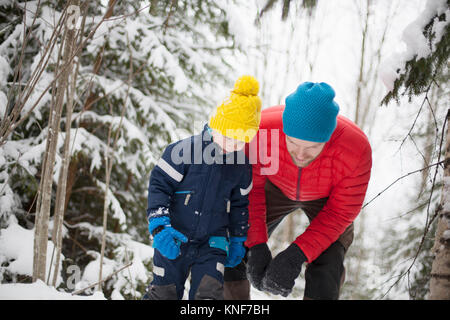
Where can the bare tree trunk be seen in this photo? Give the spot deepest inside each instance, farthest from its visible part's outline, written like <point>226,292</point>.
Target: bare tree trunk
<point>361,80</point>
<point>440,270</point>
<point>108,164</point>
<point>62,180</point>
<point>366,85</point>
<point>108,167</point>
<point>361,87</point>
<point>42,219</point>
<point>153,10</point>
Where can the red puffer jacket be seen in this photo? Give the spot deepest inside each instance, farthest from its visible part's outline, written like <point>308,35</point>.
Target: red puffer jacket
<point>341,172</point>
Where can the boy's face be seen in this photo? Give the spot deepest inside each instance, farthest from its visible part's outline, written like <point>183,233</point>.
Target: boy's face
<point>227,144</point>
<point>303,152</point>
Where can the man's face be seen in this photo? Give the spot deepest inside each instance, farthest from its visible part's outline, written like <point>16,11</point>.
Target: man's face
<point>303,152</point>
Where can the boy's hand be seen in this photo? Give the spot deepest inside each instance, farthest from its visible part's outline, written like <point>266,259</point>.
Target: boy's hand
<point>236,251</point>
<point>168,242</point>
<point>165,238</point>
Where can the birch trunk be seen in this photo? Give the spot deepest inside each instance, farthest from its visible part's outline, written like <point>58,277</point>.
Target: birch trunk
<point>361,79</point>
<point>440,269</point>
<point>108,168</point>
<point>43,214</point>
<point>62,180</point>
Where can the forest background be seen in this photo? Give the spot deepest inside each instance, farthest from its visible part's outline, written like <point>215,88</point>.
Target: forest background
<point>92,92</point>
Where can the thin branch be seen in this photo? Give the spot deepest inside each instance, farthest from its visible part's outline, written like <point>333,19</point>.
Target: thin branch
<point>432,112</point>
<point>6,130</point>
<point>429,222</point>
<point>418,150</point>
<point>173,7</point>
<point>102,280</point>
<point>400,178</point>
<point>109,159</point>
<point>128,15</point>
<point>435,173</point>
<point>129,273</point>
<point>412,127</point>
<point>417,116</point>
<point>408,212</point>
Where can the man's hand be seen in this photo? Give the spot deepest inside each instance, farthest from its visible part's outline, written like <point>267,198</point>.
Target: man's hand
<point>258,259</point>
<point>283,270</point>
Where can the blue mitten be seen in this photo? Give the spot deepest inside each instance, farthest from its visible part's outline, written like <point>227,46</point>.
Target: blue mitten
<point>236,251</point>
<point>167,240</point>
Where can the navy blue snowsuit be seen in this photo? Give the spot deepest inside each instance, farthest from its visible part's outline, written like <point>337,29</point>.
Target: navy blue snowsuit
<point>205,194</point>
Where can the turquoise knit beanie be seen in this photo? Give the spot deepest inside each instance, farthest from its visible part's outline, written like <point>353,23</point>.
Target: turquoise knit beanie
<point>310,112</point>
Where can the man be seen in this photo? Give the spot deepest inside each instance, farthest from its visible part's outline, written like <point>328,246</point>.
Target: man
<point>324,163</point>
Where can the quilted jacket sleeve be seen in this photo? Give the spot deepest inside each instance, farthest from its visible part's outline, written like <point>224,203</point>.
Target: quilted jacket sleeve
<point>342,207</point>
<point>257,209</point>
<point>164,178</point>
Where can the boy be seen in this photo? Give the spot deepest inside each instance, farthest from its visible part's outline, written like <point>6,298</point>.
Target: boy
<point>197,210</point>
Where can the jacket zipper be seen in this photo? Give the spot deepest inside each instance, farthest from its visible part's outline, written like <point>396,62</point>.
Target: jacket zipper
<point>297,196</point>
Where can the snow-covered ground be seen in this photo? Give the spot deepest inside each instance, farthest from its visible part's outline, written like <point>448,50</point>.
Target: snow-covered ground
<point>40,291</point>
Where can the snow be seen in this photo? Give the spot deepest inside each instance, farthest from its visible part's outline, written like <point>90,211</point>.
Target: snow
<point>117,211</point>
<point>16,250</point>
<point>16,244</point>
<point>446,235</point>
<point>5,70</point>
<point>446,193</point>
<point>4,3</point>
<point>389,70</point>
<point>3,102</point>
<point>415,44</point>
<point>7,197</point>
<point>16,256</point>
<point>40,291</point>
<point>240,26</point>
<point>91,272</point>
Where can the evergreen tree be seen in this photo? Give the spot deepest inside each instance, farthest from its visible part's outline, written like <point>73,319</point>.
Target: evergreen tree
<point>428,64</point>
<point>144,76</point>
<point>423,71</point>
<point>286,9</point>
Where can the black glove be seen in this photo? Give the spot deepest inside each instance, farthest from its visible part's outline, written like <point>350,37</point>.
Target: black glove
<point>258,259</point>
<point>283,270</point>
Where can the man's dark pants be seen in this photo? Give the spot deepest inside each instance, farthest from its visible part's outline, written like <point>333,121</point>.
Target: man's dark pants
<point>323,277</point>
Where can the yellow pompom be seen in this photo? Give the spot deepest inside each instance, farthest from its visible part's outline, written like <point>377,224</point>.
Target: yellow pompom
<point>246,85</point>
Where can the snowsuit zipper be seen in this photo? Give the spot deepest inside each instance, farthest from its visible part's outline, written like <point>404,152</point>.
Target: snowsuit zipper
<point>297,196</point>
<point>202,199</point>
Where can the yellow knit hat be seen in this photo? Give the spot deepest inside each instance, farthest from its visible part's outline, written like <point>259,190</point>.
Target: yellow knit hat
<point>238,117</point>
